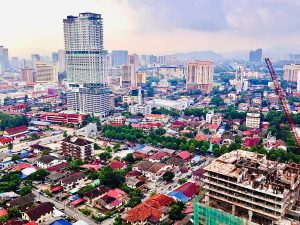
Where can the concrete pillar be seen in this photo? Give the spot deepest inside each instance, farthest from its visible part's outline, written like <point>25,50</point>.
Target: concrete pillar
<point>207,200</point>
<point>233,210</point>
<point>250,213</point>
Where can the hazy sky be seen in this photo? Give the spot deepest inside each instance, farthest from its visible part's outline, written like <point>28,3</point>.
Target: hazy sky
<point>154,26</point>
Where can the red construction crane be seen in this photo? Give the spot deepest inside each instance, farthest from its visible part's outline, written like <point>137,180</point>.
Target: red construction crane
<point>282,99</point>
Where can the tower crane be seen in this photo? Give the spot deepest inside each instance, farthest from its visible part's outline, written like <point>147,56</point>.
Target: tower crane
<point>282,99</point>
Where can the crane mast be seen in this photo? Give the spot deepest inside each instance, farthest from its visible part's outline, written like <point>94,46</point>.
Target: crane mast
<point>282,99</point>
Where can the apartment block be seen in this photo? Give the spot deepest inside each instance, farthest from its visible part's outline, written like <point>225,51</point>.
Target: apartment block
<point>253,120</point>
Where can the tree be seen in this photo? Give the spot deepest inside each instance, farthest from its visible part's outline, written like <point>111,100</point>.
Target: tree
<point>110,178</point>
<point>168,176</point>
<point>96,146</point>
<point>34,136</point>
<point>129,158</point>
<point>25,190</point>
<point>14,213</point>
<point>10,146</point>
<point>182,180</point>
<point>85,189</point>
<point>176,211</point>
<point>118,220</point>
<point>15,157</point>
<point>242,128</point>
<point>117,147</point>
<point>65,135</point>
<point>217,100</point>
<point>39,175</point>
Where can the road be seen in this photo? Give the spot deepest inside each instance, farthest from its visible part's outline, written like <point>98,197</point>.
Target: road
<point>68,211</point>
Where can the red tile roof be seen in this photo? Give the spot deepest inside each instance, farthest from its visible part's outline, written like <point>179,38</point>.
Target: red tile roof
<point>133,173</point>
<point>77,201</point>
<point>5,140</point>
<point>189,189</point>
<point>200,138</point>
<point>215,140</point>
<point>184,155</point>
<point>117,165</point>
<point>213,126</point>
<point>16,130</point>
<point>152,209</point>
<point>250,142</point>
<point>159,155</point>
<point>3,212</point>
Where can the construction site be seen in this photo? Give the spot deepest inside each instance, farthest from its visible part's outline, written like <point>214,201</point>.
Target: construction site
<point>245,188</point>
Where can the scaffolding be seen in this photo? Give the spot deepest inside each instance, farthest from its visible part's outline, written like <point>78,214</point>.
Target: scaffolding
<point>206,215</point>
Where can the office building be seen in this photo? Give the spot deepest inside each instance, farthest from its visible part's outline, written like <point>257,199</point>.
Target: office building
<point>35,58</point>
<point>61,61</point>
<point>200,75</point>
<point>255,56</point>
<point>246,188</point>
<point>46,72</point>
<point>253,120</point>
<point>141,78</point>
<point>54,57</point>
<point>88,99</point>
<point>28,75</point>
<point>133,60</point>
<point>14,63</point>
<point>239,77</point>
<point>127,76</point>
<point>77,148</point>
<point>162,60</point>
<point>119,57</point>
<point>85,54</point>
<point>290,72</point>
<point>4,60</point>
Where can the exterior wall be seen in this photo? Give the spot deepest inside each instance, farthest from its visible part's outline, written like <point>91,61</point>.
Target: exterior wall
<point>253,120</point>
<point>200,75</point>
<point>291,72</point>
<point>46,72</point>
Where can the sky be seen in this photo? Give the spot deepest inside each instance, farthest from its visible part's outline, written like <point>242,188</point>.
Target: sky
<point>155,26</point>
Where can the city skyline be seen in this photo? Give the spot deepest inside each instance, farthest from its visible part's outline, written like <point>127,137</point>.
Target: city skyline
<point>159,27</point>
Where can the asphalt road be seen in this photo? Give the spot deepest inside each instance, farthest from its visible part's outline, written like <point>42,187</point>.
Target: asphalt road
<point>68,211</point>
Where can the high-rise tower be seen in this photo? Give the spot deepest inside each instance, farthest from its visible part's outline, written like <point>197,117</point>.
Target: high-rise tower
<point>85,54</point>
<point>85,64</point>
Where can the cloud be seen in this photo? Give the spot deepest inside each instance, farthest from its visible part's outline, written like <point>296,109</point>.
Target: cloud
<point>168,15</point>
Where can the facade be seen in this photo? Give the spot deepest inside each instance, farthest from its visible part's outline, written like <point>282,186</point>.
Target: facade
<point>209,116</point>
<point>143,109</point>
<point>200,75</point>
<point>255,56</point>
<point>253,120</point>
<point>61,61</point>
<point>247,185</point>
<point>4,58</point>
<point>85,54</point>
<point>128,76</point>
<point>291,72</point>
<point>239,76</point>
<point>62,118</point>
<point>28,75</point>
<point>141,78</point>
<point>46,72</point>
<point>119,57</point>
<point>77,148</point>
<point>180,104</point>
<point>88,99</point>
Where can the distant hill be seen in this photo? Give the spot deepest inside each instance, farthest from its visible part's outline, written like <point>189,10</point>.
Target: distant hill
<point>204,55</point>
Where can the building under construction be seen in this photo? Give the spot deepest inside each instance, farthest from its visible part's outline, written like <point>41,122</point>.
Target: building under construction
<point>245,188</point>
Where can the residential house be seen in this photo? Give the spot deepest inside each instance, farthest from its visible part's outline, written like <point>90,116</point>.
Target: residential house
<point>5,140</point>
<point>91,196</point>
<point>22,203</point>
<point>157,157</point>
<point>39,213</point>
<point>73,181</point>
<point>153,210</point>
<point>47,161</point>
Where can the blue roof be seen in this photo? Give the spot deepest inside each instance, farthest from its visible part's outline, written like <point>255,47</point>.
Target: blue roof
<point>61,222</point>
<point>179,196</point>
<point>138,147</point>
<point>74,197</point>
<point>196,158</point>
<point>24,154</point>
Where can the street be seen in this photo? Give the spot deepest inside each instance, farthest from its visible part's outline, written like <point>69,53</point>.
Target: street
<point>68,211</point>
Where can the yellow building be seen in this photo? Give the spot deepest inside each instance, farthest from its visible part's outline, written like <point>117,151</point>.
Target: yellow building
<point>46,72</point>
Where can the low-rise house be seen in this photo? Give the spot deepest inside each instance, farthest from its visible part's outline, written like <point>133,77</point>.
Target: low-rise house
<point>39,213</point>
<point>117,165</point>
<point>5,140</point>
<point>22,203</point>
<point>47,161</point>
<point>157,170</point>
<point>175,162</point>
<point>113,199</point>
<point>185,192</point>
<point>157,157</point>
<point>228,139</point>
<point>15,131</point>
<point>157,118</point>
<point>153,210</point>
<point>184,155</point>
<point>91,196</point>
<point>142,166</point>
<point>54,177</point>
<point>73,181</point>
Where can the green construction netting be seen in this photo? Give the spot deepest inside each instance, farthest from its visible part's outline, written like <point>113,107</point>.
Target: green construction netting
<point>210,216</point>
